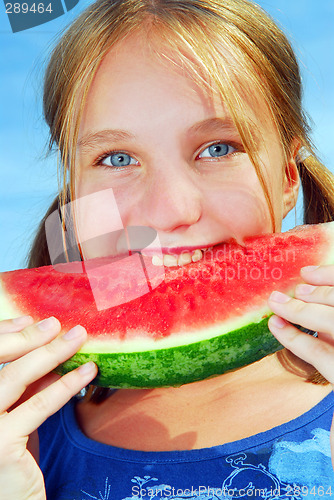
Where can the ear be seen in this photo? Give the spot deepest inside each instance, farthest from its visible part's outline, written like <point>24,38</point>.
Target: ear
<point>291,179</point>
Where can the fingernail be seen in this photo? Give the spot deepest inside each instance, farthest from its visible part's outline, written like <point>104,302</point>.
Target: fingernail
<point>305,289</point>
<point>47,324</point>
<point>74,333</point>
<point>22,320</point>
<point>86,368</point>
<point>279,297</point>
<point>277,322</point>
<point>309,269</point>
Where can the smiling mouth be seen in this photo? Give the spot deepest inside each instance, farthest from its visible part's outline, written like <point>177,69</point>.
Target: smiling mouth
<point>178,257</point>
<point>182,256</point>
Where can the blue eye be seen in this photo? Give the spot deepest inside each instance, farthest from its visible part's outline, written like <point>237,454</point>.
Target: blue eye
<point>217,150</point>
<point>118,159</point>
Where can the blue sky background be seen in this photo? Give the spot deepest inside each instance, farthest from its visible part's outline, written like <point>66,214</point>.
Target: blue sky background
<point>29,180</point>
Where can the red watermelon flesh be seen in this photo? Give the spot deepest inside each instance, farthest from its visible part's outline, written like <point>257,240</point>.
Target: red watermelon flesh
<point>216,307</point>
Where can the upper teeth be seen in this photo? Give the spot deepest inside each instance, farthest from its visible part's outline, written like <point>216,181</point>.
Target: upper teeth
<point>178,260</point>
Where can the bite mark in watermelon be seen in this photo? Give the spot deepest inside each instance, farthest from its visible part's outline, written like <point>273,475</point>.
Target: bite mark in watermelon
<point>204,319</point>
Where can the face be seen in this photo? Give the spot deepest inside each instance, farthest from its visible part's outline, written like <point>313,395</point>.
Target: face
<point>158,151</point>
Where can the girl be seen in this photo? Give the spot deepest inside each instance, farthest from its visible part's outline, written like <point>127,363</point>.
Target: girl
<point>190,111</point>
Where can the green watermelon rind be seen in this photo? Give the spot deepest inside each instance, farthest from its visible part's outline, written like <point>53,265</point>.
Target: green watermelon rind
<point>182,364</point>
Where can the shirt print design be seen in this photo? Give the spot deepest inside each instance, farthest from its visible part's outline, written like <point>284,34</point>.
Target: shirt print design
<point>292,474</point>
<point>260,483</point>
<point>307,464</point>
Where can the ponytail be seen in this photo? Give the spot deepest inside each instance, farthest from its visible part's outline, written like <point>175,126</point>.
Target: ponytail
<point>318,200</point>
<point>318,191</point>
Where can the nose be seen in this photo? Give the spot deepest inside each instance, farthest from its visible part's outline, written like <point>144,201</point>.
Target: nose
<point>173,199</point>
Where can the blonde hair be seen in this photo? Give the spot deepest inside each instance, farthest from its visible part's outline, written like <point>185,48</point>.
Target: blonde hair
<point>232,46</point>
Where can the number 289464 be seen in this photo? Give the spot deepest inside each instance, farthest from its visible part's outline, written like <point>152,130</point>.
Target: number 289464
<point>24,8</point>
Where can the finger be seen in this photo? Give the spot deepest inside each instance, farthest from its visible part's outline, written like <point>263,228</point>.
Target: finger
<point>15,324</point>
<point>314,351</point>
<point>16,376</point>
<point>31,414</point>
<point>35,387</point>
<point>316,294</point>
<point>317,317</point>
<point>318,275</point>
<point>15,344</point>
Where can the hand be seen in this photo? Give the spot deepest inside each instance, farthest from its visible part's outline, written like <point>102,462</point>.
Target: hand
<point>312,308</point>
<point>29,394</point>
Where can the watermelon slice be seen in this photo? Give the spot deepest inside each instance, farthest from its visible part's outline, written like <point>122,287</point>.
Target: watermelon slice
<point>202,320</point>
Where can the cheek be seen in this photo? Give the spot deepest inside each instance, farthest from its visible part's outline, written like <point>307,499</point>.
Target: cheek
<point>242,211</point>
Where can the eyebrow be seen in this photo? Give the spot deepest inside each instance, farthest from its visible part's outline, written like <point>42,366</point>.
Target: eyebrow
<point>94,139</point>
<point>213,125</point>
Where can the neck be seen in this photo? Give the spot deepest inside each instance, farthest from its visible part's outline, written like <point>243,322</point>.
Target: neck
<point>225,408</point>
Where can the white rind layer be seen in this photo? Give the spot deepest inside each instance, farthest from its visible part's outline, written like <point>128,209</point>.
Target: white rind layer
<point>180,338</point>
<point>7,309</point>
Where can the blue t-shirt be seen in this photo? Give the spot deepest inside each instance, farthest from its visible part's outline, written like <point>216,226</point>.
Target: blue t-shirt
<point>291,462</point>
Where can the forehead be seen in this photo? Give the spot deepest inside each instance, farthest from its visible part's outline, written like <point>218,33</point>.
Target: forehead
<point>143,73</point>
